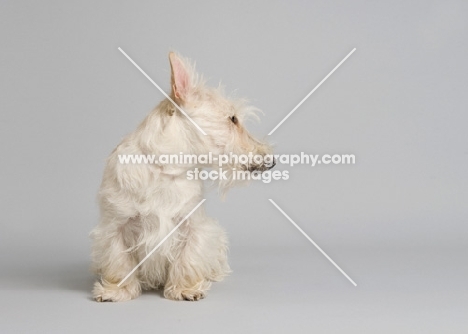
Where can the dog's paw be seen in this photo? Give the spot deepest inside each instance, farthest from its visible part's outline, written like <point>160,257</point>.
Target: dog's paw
<point>113,293</point>
<point>184,294</point>
<point>193,295</point>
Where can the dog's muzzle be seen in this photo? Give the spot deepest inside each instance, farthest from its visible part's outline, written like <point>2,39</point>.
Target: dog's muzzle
<point>273,164</point>
<point>261,168</point>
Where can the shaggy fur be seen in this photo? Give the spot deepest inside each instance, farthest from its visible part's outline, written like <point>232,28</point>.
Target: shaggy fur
<point>141,203</point>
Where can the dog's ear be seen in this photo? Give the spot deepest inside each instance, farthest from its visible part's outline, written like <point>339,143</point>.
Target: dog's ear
<point>180,77</point>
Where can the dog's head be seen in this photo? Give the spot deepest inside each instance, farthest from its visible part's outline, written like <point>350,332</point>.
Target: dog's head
<point>221,118</point>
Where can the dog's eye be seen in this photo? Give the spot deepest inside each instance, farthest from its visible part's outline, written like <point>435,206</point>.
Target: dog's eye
<point>234,119</point>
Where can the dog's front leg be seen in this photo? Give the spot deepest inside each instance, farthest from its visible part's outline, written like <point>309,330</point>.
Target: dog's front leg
<point>200,259</point>
<point>112,262</point>
<point>186,279</point>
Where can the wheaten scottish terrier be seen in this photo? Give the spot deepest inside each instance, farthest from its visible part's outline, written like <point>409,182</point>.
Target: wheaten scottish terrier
<point>141,203</point>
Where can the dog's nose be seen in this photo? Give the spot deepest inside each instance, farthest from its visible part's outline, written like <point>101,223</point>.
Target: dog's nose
<point>273,164</point>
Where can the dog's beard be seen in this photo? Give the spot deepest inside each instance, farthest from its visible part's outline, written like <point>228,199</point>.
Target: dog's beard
<point>238,175</point>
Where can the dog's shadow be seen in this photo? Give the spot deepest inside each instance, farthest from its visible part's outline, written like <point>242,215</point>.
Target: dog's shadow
<point>73,277</point>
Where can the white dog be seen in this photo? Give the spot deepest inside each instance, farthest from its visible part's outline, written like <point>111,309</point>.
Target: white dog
<point>141,203</point>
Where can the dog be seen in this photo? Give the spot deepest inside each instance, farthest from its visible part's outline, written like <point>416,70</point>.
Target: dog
<point>141,203</point>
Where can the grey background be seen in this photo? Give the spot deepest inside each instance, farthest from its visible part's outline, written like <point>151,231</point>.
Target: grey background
<point>395,221</point>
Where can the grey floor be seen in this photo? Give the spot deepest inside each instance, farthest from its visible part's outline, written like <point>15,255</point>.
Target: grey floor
<point>272,290</point>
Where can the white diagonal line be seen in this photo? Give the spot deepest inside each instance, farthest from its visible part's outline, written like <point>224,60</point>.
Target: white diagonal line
<point>313,243</point>
<point>313,90</point>
<point>162,91</point>
<point>161,242</point>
